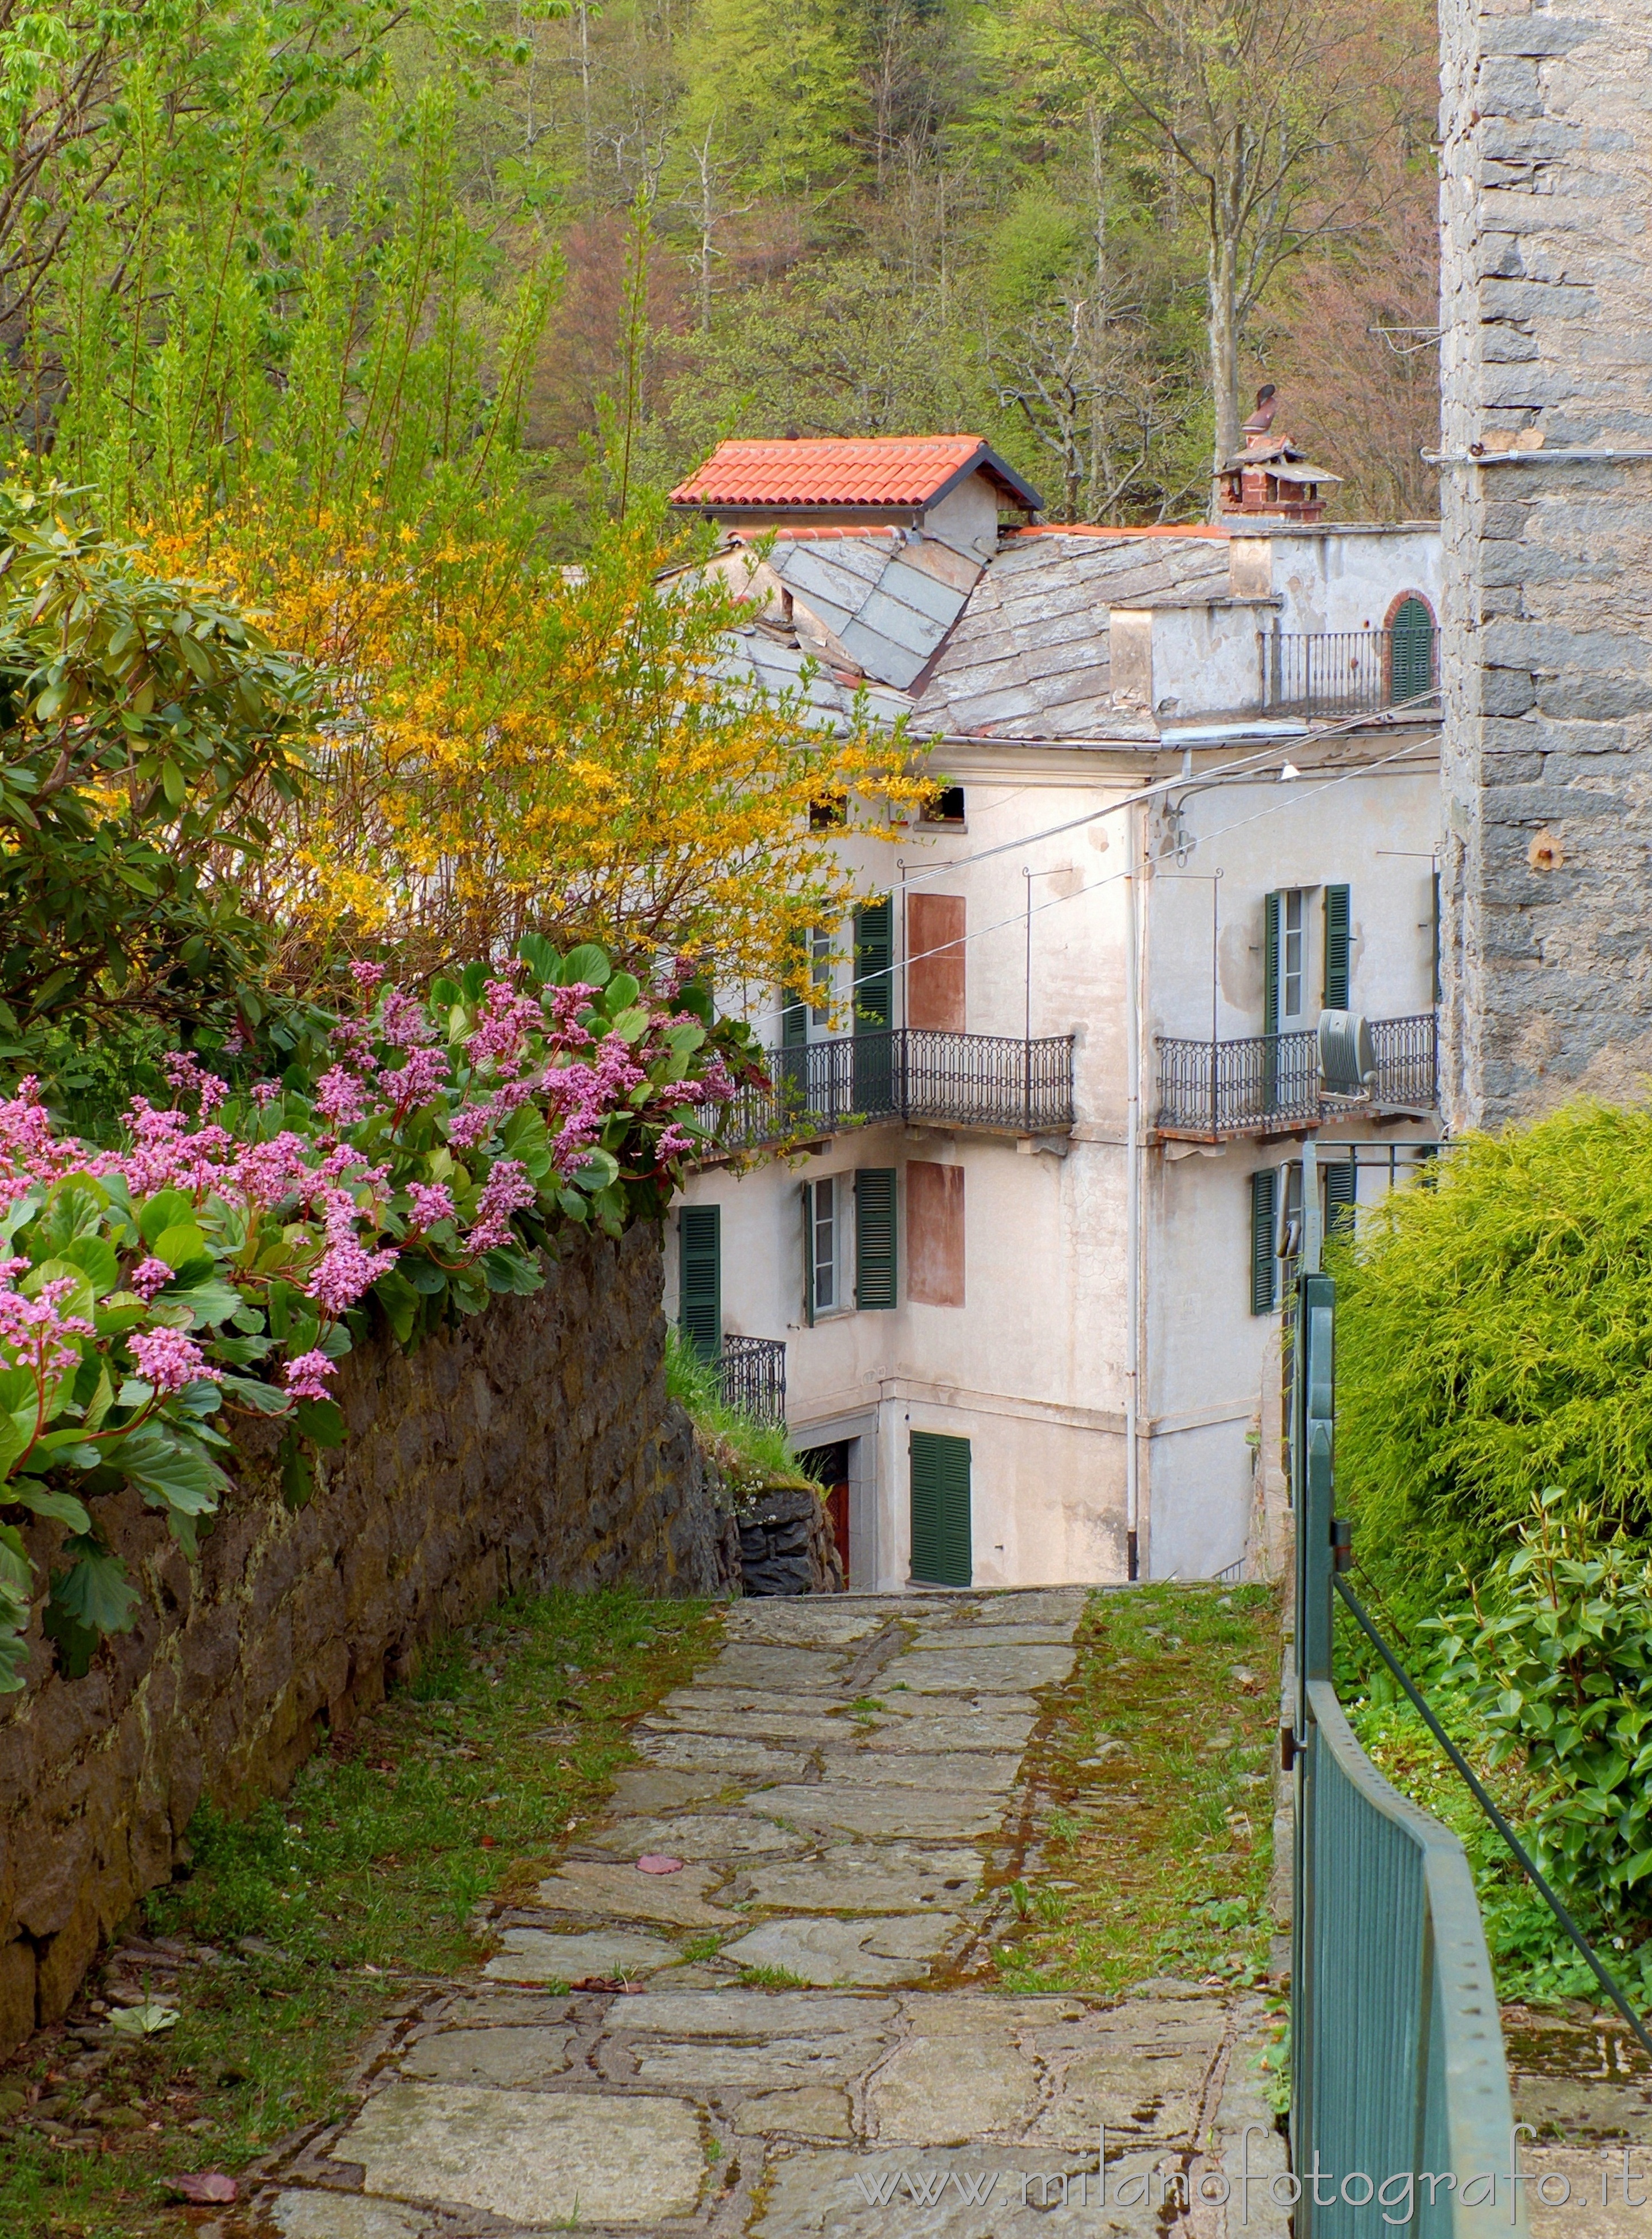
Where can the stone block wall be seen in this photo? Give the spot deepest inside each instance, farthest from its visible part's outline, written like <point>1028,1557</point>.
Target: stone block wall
<point>1546,307</point>
<point>532,1447</point>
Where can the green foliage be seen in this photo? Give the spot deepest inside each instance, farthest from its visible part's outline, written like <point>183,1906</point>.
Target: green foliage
<point>1558,1656</point>
<point>1494,1337</point>
<point>783,91</point>
<point>147,728</point>
<point>217,1267</point>
<point>753,1455</point>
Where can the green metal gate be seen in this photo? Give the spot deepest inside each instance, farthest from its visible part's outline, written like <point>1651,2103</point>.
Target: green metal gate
<point>1400,2115</point>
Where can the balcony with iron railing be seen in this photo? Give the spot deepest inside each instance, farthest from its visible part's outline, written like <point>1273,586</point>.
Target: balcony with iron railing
<point>751,1375</point>
<point>1268,1084</point>
<point>1330,673</point>
<point>917,1075</point>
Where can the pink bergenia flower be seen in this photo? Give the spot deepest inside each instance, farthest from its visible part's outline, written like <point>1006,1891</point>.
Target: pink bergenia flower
<point>505,1022</point>
<point>366,975</point>
<point>31,1152</point>
<point>351,1042</point>
<point>567,1003</point>
<point>167,1154</point>
<point>168,1360</point>
<point>510,1095</point>
<point>470,1125</point>
<point>189,1078</point>
<point>267,1172</point>
<point>430,1202</point>
<point>265,1092</point>
<point>401,1020</point>
<point>507,1190</point>
<point>344,1273</point>
<point>675,1142</point>
<point>345,1269</point>
<point>307,1378</point>
<point>37,1333</point>
<point>149,1277</point>
<point>341,1097</point>
<point>415,1082</point>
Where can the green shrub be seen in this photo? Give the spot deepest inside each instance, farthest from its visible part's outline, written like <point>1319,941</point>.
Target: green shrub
<point>1558,1652</point>
<point>752,1455</point>
<point>1494,1337</point>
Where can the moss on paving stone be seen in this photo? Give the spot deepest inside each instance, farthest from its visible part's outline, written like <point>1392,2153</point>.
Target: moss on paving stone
<point>1157,1807</point>
<point>313,1921</point>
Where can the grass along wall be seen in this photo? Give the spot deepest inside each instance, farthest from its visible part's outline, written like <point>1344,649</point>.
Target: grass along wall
<point>532,1447</point>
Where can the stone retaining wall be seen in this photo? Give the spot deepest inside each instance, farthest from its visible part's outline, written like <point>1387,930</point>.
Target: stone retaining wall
<point>532,1447</point>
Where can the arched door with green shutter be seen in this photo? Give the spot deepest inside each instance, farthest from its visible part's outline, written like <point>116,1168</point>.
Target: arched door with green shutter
<point>1411,670</point>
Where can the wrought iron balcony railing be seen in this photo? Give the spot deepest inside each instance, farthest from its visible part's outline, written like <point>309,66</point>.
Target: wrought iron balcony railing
<point>911,1073</point>
<point>1343,672</point>
<point>751,1373</point>
<point>1208,1090</point>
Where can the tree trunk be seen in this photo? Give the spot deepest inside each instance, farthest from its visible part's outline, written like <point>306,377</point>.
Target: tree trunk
<point>1221,288</point>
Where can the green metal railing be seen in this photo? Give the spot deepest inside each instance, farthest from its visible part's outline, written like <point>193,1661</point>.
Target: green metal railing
<point>1400,2116</point>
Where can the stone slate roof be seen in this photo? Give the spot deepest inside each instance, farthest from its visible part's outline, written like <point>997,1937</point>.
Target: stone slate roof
<point>887,600</point>
<point>774,661</point>
<point>1029,653</point>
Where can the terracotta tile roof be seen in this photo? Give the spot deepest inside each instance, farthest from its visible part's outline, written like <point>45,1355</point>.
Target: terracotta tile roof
<point>831,471</point>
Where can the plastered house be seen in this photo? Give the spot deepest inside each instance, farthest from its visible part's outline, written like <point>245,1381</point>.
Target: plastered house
<point>1044,1112</point>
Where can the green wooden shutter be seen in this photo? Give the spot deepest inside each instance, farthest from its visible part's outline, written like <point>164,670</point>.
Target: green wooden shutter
<point>940,1510</point>
<point>875,1264</point>
<point>795,1010</point>
<point>1264,1266</point>
<point>808,1253</point>
<point>699,1241</point>
<point>1338,935</point>
<point>1272,936</point>
<point>874,1011</point>
<point>1411,659</point>
<point>1341,1190</point>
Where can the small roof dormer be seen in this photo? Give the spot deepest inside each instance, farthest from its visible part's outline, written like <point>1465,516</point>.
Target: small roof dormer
<point>932,483</point>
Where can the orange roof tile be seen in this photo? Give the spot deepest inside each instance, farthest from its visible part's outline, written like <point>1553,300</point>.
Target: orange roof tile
<point>874,471</point>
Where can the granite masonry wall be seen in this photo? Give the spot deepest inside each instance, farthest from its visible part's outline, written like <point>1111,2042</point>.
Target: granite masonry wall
<point>1546,307</point>
<point>532,1447</point>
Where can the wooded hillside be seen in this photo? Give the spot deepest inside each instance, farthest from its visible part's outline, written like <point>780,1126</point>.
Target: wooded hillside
<point>1084,230</point>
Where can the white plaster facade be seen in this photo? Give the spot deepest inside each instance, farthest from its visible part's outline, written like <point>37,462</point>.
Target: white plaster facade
<point>1034,1367</point>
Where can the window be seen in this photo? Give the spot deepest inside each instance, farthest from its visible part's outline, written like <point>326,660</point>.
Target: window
<point>874,966</point>
<point>1410,650</point>
<point>873,1078</point>
<point>1265,1270</point>
<point>1284,958</point>
<point>876,1273</point>
<point>829,812</point>
<point>1339,934</point>
<point>820,1245</point>
<point>1287,996</point>
<point>935,961</point>
<point>941,1552</point>
<point>1342,1195</point>
<point>700,1284</point>
<point>1292,954</point>
<point>934,1233</point>
<point>945,807</point>
<point>820,974</point>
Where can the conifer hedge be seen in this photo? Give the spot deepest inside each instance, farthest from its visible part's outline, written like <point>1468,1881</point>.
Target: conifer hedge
<point>1494,1339</point>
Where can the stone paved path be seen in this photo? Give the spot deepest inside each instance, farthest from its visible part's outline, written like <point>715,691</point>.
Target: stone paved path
<point>803,2043</point>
